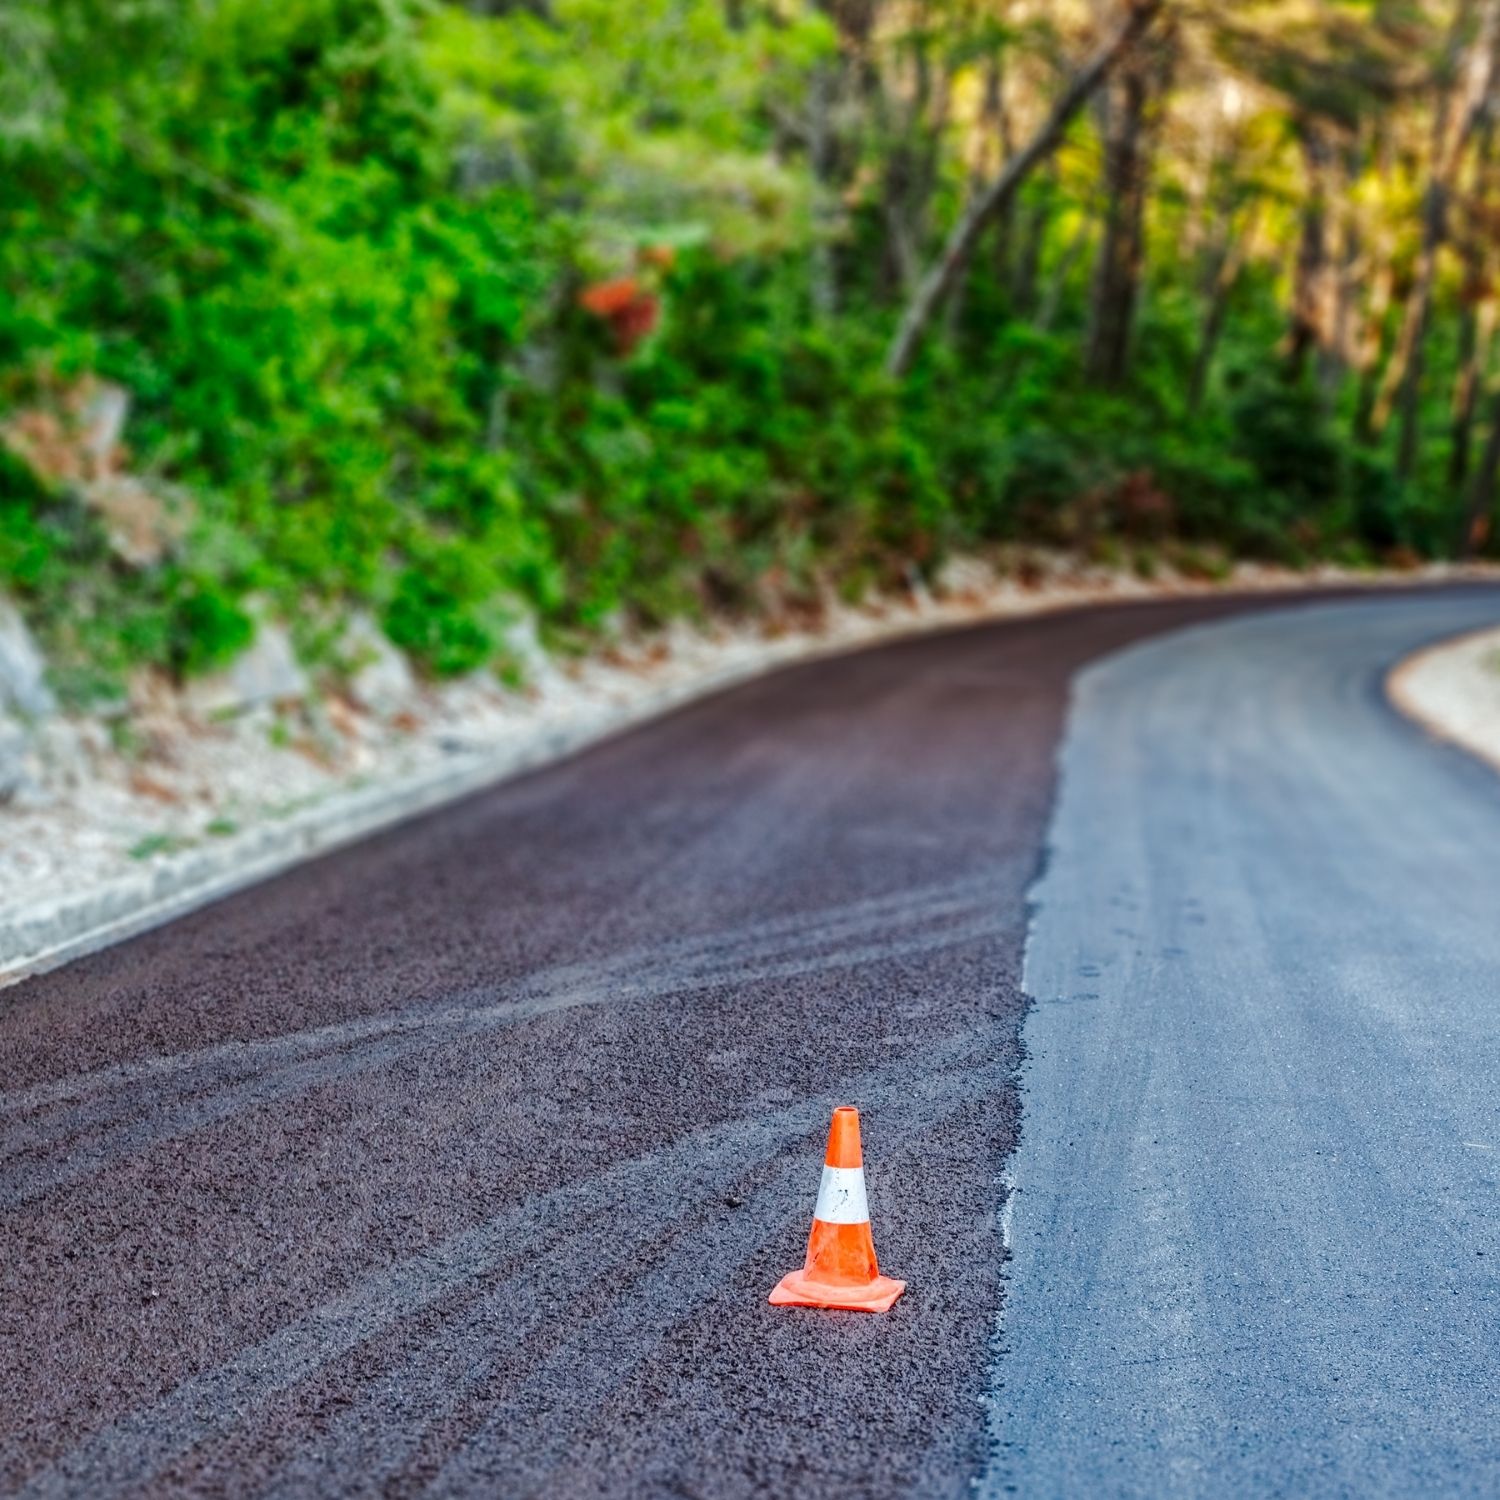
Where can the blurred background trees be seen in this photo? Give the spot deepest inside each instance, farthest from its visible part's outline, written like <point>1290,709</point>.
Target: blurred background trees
<point>458,314</point>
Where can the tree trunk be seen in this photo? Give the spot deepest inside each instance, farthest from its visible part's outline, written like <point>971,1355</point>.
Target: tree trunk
<point>1028,260</point>
<point>994,132</point>
<point>938,282</point>
<point>901,186</point>
<point>1337,356</point>
<point>1412,347</point>
<point>1073,252</point>
<point>1476,530</point>
<point>1477,299</point>
<point>834,82</point>
<point>995,122</point>
<point>1474,338</point>
<point>1310,275</point>
<point>1372,344</point>
<point>824,269</point>
<point>1457,118</point>
<point>1231,261</point>
<point>1117,271</point>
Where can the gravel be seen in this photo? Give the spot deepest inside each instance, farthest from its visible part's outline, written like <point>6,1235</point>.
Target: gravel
<point>157,800</point>
<point>1453,690</point>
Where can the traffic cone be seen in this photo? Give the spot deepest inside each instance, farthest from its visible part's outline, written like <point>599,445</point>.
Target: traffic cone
<point>840,1269</point>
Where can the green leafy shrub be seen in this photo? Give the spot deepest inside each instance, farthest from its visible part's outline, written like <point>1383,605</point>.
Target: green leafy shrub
<point>208,628</point>
<point>1282,429</point>
<point>346,259</point>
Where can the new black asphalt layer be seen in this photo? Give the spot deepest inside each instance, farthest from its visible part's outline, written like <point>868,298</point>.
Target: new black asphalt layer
<point>463,1161</point>
<point>1257,1227</point>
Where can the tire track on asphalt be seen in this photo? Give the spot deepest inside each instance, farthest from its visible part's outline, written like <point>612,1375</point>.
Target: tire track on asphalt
<point>379,1434</point>
<point>752,939</point>
<point>128,1454</point>
<point>195,1319</point>
<point>23,1184</point>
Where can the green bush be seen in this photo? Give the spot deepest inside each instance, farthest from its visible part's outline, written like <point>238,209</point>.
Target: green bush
<point>341,255</point>
<point>208,628</point>
<point>1282,429</point>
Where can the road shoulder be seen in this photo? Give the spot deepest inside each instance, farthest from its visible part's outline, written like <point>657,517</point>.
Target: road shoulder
<point>102,862</point>
<point>1452,689</point>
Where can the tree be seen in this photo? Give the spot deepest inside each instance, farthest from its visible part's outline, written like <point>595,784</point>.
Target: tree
<point>939,280</point>
<point>1139,80</point>
<point>1457,116</point>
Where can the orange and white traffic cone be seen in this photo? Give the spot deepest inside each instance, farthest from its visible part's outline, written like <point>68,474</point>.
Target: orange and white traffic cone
<point>840,1269</point>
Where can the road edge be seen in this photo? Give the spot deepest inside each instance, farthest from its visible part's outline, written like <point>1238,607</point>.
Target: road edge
<point>59,929</point>
<point>1404,696</point>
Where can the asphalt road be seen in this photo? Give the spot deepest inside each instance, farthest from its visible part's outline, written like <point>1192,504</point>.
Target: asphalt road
<point>462,1162</point>
<point>1257,1225</point>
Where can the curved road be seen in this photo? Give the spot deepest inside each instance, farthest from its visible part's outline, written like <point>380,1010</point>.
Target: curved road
<point>1257,1225</point>
<point>462,1162</point>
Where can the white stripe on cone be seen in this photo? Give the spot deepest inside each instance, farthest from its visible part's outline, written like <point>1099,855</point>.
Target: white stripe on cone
<point>841,1196</point>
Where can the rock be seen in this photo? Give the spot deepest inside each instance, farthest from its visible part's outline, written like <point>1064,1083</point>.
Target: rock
<point>16,779</point>
<point>522,643</point>
<point>143,522</point>
<point>266,673</point>
<point>23,673</point>
<point>103,408</point>
<point>43,443</point>
<point>72,434</point>
<point>540,367</point>
<point>964,574</point>
<point>916,585</point>
<point>155,714</point>
<point>68,751</point>
<point>380,678</point>
<point>75,439</point>
<point>269,671</point>
<point>142,525</point>
<point>42,757</point>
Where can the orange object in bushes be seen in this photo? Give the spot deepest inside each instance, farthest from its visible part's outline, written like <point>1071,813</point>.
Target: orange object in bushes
<point>630,310</point>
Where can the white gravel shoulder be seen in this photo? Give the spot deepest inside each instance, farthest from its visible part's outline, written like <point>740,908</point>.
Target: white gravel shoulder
<point>175,807</point>
<point>1453,690</point>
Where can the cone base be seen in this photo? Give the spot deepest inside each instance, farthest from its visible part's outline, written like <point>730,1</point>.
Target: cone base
<point>798,1289</point>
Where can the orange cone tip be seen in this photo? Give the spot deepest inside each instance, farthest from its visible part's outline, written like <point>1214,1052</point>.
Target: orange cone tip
<point>840,1269</point>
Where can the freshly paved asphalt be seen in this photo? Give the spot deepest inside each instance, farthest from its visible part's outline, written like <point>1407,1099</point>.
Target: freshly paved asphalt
<point>1257,1227</point>
<point>462,1162</point>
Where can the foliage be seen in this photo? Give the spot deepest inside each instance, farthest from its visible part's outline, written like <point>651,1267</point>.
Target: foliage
<point>577,310</point>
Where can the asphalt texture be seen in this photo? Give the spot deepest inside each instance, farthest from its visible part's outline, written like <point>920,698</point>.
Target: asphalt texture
<point>1256,1224</point>
<point>462,1162</point>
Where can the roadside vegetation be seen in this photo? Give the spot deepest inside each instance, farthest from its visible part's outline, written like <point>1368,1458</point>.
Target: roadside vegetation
<point>593,314</point>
